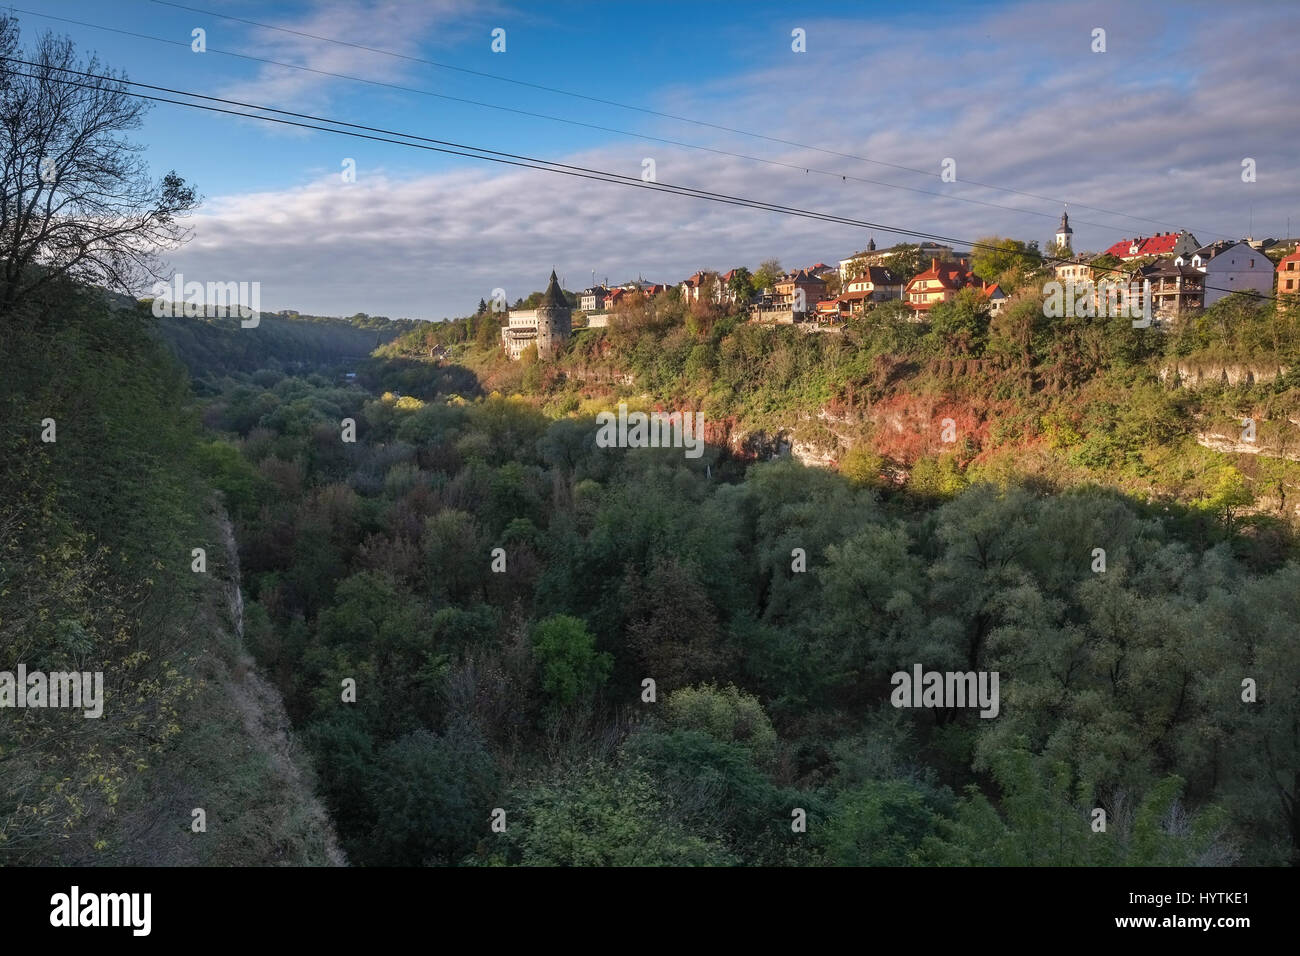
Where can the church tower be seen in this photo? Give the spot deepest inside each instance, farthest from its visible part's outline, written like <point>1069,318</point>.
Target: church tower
<point>1064,234</point>
<point>554,320</point>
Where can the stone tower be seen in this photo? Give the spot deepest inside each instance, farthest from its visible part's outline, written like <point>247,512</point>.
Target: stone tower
<point>554,320</point>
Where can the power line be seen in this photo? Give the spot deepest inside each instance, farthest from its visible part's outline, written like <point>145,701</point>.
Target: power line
<point>573,122</point>
<point>510,159</point>
<point>659,113</point>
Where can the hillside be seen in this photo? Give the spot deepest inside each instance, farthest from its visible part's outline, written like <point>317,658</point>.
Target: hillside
<point>1054,401</point>
<point>96,539</point>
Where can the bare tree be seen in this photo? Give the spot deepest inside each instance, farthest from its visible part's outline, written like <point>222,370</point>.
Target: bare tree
<point>76,199</point>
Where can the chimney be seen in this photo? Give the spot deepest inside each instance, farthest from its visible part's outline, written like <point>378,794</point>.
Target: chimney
<point>934,264</point>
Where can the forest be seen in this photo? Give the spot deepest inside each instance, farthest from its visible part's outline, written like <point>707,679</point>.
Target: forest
<point>523,688</point>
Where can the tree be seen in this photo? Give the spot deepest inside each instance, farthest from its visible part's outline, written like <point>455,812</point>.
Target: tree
<point>1229,495</point>
<point>741,285</point>
<point>769,270</point>
<point>995,259</point>
<point>960,325</point>
<point>76,201</point>
<point>571,666</point>
<point>880,823</point>
<point>487,333</point>
<point>861,465</point>
<point>429,796</point>
<point>728,715</point>
<point>906,260</point>
<point>603,816</point>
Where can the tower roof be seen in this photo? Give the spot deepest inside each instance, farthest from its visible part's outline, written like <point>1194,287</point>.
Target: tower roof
<point>553,297</point>
<point>1065,223</point>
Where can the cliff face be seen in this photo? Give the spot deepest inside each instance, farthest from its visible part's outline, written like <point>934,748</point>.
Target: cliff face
<point>1196,374</point>
<point>1233,444</point>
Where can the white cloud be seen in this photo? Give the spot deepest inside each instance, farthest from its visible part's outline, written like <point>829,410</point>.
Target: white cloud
<point>392,25</point>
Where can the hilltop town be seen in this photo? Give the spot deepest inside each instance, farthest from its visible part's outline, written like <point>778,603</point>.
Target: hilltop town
<point>1171,274</point>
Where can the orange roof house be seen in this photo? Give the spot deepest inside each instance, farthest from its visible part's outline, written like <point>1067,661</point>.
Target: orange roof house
<point>1288,274</point>
<point>939,283</point>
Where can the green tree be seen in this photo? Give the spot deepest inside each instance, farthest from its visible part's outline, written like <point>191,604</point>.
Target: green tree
<point>741,284</point>
<point>729,715</point>
<point>997,259</point>
<point>430,796</point>
<point>571,665</point>
<point>768,271</point>
<point>602,816</point>
<point>878,823</point>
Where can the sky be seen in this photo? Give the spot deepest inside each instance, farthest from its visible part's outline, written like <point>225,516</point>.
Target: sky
<point>1146,136</point>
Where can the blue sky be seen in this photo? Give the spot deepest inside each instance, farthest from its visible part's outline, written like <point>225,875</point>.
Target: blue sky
<point>1155,127</point>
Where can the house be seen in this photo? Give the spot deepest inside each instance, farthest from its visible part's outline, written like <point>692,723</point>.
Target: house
<point>1231,267</point>
<point>725,292</point>
<point>1073,270</point>
<point>593,299</point>
<point>1164,244</point>
<point>703,283</point>
<point>767,307</point>
<point>1288,274</point>
<point>1112,289</point>
<point>1176,289</point>
<point>873,285</point>
<point>855,263</point>
<point>830,310</point>
<point>798,291</point>
<point>848,267</point>
<point>994,296</point>
<point>939,283</point>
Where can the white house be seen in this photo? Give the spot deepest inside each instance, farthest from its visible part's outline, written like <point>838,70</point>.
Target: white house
<point>1231,267</point>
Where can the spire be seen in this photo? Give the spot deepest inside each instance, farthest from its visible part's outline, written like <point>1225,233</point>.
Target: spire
<point>1064,227</point>
<point>553,296</point>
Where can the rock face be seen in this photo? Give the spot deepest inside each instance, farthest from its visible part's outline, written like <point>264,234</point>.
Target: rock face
<point>812,455</point>
<point>1232,444</point>
<point>1194,375</point>
<point>1228,444</point>
<point>759,445</point>
<point>767,446</point>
